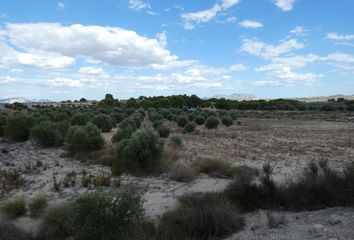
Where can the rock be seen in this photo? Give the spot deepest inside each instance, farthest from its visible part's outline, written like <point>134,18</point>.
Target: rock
<point>333,220</point>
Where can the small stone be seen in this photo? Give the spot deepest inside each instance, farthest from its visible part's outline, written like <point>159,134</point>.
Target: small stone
<point>333,220</point>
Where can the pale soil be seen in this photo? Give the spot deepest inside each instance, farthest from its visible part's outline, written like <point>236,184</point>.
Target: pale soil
<point>286,144</point>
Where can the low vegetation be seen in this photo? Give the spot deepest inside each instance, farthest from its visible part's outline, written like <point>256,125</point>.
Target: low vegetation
<point>13,208</point>
<point>83,139</point>
<point>141,153</point>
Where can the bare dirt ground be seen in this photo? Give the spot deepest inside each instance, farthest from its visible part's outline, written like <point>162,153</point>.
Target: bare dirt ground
<point>288,145</point>
<point>285,143</point>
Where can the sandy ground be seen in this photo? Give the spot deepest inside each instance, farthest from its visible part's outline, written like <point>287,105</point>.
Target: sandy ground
<point>286,144</point>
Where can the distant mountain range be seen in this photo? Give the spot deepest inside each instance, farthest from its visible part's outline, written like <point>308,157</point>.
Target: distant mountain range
<point>325,98</point>
<point>22,100</point>
<point>238,97</point>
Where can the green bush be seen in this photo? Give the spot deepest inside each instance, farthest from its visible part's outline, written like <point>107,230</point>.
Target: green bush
<point>57,223</point>
<point>212,122</point>
<point>201,216</point>
<point>37,205</point>
<point>182,120</point>
<point>18,126</point>
<point>227,121</point>
<point>200,120</point>
<point>123,133</point>
<point>46,134</point>
<point>234,115</point>
<point>118,117</point>
<point>176,142</point>
<point>81,139</point>
<point>190,127</point>
<point>60,116</point>
<point>163,131</point>
<point>101,215</point>
<point>13,208</point>
<point>103,122</point>
<point>157,123</point>
<point>79,119</point>
<point>140,153</point>
<point>128,122</point>
<point>2,124</point>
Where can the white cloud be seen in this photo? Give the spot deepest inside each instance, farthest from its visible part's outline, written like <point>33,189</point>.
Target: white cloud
<point>237,68</point>
<point>3,15</point>
<point>251,24</point>
<point>65,82</point>
<point>94,71</point>
<point>7,79</point>
<point>190,20</point>
<point>268,51</point>
<point>299,31</point>
<point>115,46</point>
<point>226,4</point>
<point>60,5</point>
<point>336,36</point>
<point>284,75</point>
<point>285,5</point>
<point>138,5</point>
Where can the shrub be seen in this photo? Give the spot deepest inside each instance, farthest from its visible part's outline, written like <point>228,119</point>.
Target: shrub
<point>9,231</point>
<point>163,131</point>
<point>123,133</point>
<point>81,139</point>
<point>18,126</point>
<point>227,121</point>
<point>2,124</point>
<point>140,153</point>
<point>103,122</point>
<point>201,216</point>
<point>14,208</point>
<point>118,117</point>
<point>157,123</point>
<point>46,134</point>
<point>182,172</point>
<point>79,119</point>
<point>234,115</point>
<point>189,127</point>
<point>200,120</point>
<point>318,187</point>
<point>37,205</point>
<point>176,142</point>
<point>60,116</point>
<point>182,120</point>
<point>101,215</point>
<point>212,122</point>
<point>214,167</point>
<point>57,223</point>
<point>128,122</point>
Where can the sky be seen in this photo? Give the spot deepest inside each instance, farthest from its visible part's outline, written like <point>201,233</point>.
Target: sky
<point>70,49</point>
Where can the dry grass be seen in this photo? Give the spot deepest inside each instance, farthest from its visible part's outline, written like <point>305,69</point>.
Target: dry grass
<point>214,167</point>
<point>182,172</point>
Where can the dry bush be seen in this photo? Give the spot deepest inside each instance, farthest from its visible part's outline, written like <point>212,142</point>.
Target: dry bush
<point>13,208</point>
<point>37,205</point>
<point>56,223</point>
<point>182,172</point>
<point>168,157</point>
<point>214,167</point>
<point>318,187</point>
<point>201,216</point>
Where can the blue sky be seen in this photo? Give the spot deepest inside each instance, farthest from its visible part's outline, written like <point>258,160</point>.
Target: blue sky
<point>269,48</point>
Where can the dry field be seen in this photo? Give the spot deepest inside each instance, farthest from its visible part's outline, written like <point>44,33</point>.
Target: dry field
<point>287,143</point>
